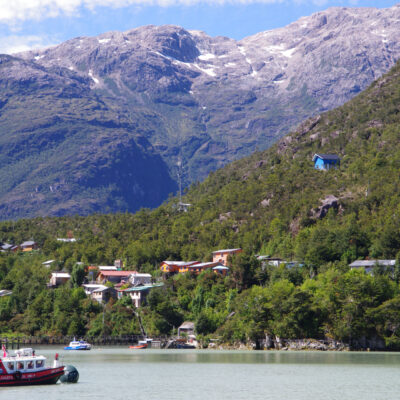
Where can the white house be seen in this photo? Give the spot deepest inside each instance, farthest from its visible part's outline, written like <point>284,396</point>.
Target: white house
<point>138,279</point>
<point>59,278</point>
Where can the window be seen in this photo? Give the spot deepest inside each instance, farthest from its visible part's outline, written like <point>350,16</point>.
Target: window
<point>20,365</point>
<point>11,366</point>
<point>39,363</point>
<point>30,365</point>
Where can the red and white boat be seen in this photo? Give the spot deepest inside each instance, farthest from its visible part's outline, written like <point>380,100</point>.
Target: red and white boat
<point>25,368</point>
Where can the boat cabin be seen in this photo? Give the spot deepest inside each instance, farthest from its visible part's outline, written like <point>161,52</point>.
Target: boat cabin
<point>24,360</point>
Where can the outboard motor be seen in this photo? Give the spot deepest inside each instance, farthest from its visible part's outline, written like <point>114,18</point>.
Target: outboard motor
<point>71,375</point>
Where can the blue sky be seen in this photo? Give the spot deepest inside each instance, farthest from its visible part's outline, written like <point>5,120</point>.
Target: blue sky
<point>28,24</point>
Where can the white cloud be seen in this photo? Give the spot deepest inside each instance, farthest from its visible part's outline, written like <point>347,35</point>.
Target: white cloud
<point>15,44</point>
<point>15,11</point>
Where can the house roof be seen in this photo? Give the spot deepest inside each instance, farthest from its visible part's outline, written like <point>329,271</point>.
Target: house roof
<point>226,251</point>
<point>139,275</point>
<point>327,157</point>
<point>107,268</point>
<point>60,275</point>
<point>221,268</point>
<point>48,262</point>
<point>141,288</point>
<point>5,292</point>
<point>117,273</point>
<point>371,263</point>
<point>28,243</point>
<point>204,265</point>
<point>7,246</point>
<point>187,325</point>
<point>180,263</point>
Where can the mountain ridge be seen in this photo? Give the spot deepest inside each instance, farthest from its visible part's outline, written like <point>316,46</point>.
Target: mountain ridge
<point>194,99</point>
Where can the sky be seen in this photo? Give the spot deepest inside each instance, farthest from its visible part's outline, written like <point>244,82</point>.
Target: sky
<point>29,24</point>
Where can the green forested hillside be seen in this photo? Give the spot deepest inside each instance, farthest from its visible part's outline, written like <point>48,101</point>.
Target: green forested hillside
<point>267,204</point>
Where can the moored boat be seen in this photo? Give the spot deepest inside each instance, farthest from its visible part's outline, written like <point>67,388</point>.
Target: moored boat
<point>78,345</point>
<point>142,344</point>
<point>25,368</point>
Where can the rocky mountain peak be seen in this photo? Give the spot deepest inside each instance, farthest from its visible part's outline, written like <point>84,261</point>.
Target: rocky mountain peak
<point>191,97</point>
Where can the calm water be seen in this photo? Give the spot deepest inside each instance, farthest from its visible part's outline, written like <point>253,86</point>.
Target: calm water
<point>121,373</point>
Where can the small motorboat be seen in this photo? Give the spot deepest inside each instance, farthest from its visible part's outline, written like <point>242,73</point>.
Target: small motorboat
<point>142,344</point>
<point>78,345</point>
<point>25,368</point>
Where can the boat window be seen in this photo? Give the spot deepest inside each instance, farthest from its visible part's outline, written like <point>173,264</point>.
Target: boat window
<point>30,365</point>
<point>20,365</point>
<point>11,366</point>
<point>39,363</point>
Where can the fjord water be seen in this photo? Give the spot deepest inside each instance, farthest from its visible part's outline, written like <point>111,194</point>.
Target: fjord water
<point>120,373</point>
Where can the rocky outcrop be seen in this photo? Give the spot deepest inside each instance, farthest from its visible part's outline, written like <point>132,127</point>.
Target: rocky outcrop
<point>328,202</point>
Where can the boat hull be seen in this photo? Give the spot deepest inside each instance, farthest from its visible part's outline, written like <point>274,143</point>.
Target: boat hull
<point>77,348</point>
<point>45,377</point>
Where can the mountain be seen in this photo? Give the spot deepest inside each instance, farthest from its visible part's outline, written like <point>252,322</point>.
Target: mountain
<point>273,202</point>
<point>174,95</point>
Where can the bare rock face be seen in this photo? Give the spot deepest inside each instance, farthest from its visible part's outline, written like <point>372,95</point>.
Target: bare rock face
<point>327,203</point>
<point>206,100</point>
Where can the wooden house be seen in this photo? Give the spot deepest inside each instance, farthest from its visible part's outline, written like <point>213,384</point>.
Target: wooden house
<point>104,294</point>
<point>28,245</point>
<point>59,278</point>
<point>138,294</point>
<point>221,269</point>
<point>199,267</point>
<point>114,276</point>
<point>221,256</point>
<point>187,327</point>
<point>369,265</point>
<point>6,247</point>
<point>176,266</point>
<point>326,161</point>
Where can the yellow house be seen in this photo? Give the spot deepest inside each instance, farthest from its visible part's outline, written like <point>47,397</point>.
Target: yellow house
<point>176,266</point>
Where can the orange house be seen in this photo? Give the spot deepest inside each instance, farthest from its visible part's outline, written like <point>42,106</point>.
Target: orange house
<point>176,266</point>
<point>221,256</point>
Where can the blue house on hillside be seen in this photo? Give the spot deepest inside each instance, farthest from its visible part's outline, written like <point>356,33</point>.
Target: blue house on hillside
<point>326,161</point>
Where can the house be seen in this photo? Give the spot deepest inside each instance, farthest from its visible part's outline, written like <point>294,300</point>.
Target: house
<point>66,240</point>
<point>138,279</point>
<point>175,266</point>
<point>28,246</point>
<point>107,268</point>
<point>5,292</point>
<point>221,256</point>
<point>274,261</point>
<point>89,288</point>
<point>138,294</point>
<point>48,263</point>
<point>200,267</point>
<point>186,328</point>
<point>9,247</point>
<point>59,278</point>
<point>369,265</point>
<point>114,276</point>
<point>104,294</point>
<point>326,161</point>
<point>220,270</point>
